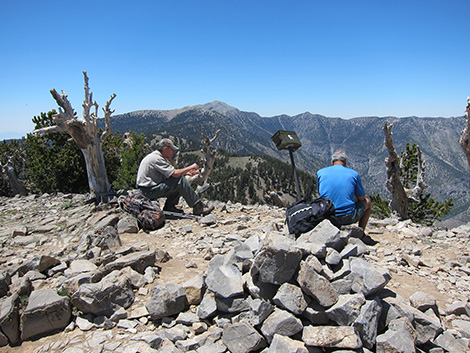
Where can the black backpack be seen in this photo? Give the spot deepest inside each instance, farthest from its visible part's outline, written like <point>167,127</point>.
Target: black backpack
<point>303,216</point>
<point>149,215</point>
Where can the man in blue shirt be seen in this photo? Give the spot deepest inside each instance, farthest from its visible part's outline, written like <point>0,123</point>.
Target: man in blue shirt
<point>343,186</point>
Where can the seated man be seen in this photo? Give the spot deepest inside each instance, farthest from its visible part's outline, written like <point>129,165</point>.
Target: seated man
<point>343,186</point>
<point>157,178</point>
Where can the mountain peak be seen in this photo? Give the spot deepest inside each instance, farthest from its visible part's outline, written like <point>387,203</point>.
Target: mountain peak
<point>218,106</point>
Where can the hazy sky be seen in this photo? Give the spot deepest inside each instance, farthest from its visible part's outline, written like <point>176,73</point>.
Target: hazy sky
<point>343,59</point>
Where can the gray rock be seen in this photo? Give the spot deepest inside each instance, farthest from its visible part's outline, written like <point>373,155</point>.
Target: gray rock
<point>277,261</point>
<point>367,277</point>
<point>208,307</point>
<point>463,326</point>
<point>127,224</point>
<point>46,312</point>
<point>224,277</point>
<point>447,341</point>
<point>166,300</point>
<point>281,322</point>
<point>208,220</point>
<point>331,336</point>
<point>367,322</point>
<point>316,314</point>
<point>104,297</point>
<point>347,309</point>
<point>314,284</point>
<point>5,281</point>
<point>342,286</point>
<point>9,318</point>
<point>176,333</point>
<point>427,326</point>
<point>325,234</point>
<point>137,280</point>
<point>40,264</point>
<point>284,344</point>
<point>232,305</point>
<point>242,338</point>
<point>458,308</point>
<point>257,288</point>
<point>259,311</point>
<point>400,338</point>
<point>212,348</point>
<point>108,238</point>
<point>308,248</point>
<point>3,340</point>
<point>333,257</point>
<point>108,221</point>
<point>138,261</point>
<point>424,301</point>
<point>291,298</point>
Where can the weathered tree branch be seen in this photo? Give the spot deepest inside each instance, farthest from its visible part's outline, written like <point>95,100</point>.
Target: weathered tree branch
<point>418,189</point>
<point>207,161</point>
<point>399,202</point>
<point>107,117</point>
<point>465,135</point>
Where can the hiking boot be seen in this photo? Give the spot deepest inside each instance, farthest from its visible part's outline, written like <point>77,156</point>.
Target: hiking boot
<point>200,209</point>
<point>172,208</point>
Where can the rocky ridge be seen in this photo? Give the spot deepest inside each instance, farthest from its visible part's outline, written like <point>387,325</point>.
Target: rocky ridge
<point>75,277</point>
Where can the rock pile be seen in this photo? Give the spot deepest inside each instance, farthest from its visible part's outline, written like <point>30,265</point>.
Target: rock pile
<point>65,274</point>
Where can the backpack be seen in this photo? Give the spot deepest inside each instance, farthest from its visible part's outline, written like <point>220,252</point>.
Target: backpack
<point>149,215</point>
<point>303,216</point>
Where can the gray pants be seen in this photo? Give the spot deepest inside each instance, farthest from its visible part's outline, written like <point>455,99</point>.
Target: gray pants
<point>172,188</point>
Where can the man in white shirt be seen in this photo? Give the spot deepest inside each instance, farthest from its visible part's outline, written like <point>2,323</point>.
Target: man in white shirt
<point>157,178</point>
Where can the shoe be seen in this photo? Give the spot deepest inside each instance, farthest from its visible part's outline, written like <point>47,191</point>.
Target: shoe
<point>173,209</point>
<point>200,209</point>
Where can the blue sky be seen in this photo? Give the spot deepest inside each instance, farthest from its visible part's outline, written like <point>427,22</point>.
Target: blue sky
<point>336,58</point>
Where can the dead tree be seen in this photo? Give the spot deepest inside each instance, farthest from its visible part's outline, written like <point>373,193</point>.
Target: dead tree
<point>401,196</point>
<point>86,135</point>
<point>207,161</point>
<point>9,175</point>
<point>465,135</point>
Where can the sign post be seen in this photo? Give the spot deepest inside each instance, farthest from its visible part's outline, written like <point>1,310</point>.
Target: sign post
<point>288,140</point>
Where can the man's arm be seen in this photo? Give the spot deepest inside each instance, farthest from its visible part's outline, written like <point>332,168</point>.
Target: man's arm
<point>189,170</point>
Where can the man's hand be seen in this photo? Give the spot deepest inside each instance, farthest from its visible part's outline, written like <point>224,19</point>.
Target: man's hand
<point>193,170</point>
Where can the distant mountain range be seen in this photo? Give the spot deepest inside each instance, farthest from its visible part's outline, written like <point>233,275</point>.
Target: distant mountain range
<point>362,138</point>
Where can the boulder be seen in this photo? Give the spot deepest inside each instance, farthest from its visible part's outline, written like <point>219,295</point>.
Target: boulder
<point>291,298</point>
<point>399,338</point>
<point>277,262</point>
<point>281,322</point>
<point>242,338</point>
<point>314,284</point>
<point>10,319</point>
<point>367,277</point>
<point>224,277</point>
<point>46,313</point>
<point>106,296</point>
<point>166,300</point>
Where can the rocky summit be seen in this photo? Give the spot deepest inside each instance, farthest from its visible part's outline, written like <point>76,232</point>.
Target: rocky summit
<point>79,277</point>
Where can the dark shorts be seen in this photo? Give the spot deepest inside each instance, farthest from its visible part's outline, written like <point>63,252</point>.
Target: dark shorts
<point>354,216</point>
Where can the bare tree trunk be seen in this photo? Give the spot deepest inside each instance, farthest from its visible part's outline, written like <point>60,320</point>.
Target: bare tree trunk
<point>401,197</point>
<point>16,185</point>
<point>208,163</point>
<point>399,202</point>
<point>85,134</point>
<point>465,135</point>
